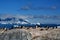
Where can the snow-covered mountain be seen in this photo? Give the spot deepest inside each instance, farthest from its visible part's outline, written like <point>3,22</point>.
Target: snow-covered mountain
<point>14,20</point>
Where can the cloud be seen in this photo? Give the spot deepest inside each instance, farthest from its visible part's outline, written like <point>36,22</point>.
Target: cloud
<point>25,8</point>
<point>41,17</point>
<point>47,17</point>
<point>38,8</point>
<point>31,16</point>
<point>44,8</point>
<point>53,7</point>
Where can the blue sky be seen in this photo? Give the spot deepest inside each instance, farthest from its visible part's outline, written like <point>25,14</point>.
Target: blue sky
<point>32,7</point>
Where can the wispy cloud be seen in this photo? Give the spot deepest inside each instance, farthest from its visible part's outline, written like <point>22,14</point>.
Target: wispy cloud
<point>41,17</point>
<point>25,8</point>
<point>47,17</point>
<point>32,16</point>
<point>38,8</point>
<point>53,7</point>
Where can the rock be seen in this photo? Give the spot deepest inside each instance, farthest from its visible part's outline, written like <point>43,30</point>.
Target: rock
<point>15,35</point>
<point>22,34</point>
<point>53,35</point>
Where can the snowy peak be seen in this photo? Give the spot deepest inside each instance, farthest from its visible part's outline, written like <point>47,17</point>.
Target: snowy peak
<point>14,20</point>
